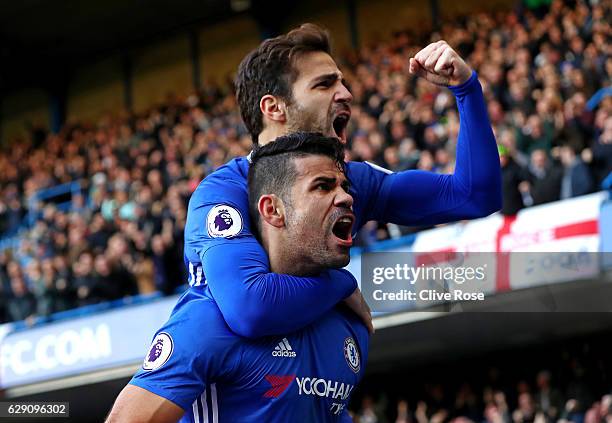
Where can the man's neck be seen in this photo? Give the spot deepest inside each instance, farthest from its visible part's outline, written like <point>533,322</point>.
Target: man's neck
<point>284,261</point>
<point>271,133</point>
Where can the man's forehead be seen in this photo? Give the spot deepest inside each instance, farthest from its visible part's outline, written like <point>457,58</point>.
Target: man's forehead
<point>316,63</point>
<point>313,166</point>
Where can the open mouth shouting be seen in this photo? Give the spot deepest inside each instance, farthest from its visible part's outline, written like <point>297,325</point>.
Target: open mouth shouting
<point>342,229</point>
<point>340,123</point>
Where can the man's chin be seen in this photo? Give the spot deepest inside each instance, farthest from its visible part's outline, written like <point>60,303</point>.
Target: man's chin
<point>342,260</point>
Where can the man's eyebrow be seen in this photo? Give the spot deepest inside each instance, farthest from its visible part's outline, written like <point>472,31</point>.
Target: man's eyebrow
<point>326,179</point>
<point>333,76</point>
<point>345,183</point>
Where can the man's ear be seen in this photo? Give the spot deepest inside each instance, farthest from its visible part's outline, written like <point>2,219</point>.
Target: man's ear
<point>272,108</point>
<point>272,210</point>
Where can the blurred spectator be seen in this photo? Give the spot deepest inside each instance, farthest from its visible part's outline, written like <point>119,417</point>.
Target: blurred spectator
<point>578,389</point>
<point>576,175</point>
<point>84,280</point>
<point>600,411</point>
<point>99,233</point>
<point>11,213</point>
<point>3,217</point>
<point>544,184</point>
<point>22,304</point>
<point>421,414</point>
<point>601,151</point>
<point>4,277</point>
<point>63,283</point>
<point>371,411</point>
<point>403,412</point>
<point>525,412</point>
<point>121,260</point>
<point>512,177</point>
<point>548,399</point>
<point>4,288</point>
<point>466,403</point>
<point>167,266</point>
<point>571,412</point>
<point>535,135</point>
<point>503,411</point>
<point>36,282</point>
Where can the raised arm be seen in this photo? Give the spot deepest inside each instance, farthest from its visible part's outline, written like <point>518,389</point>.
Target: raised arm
<point>474,190</point>
<point>254,302</point>
<point>416,197</point>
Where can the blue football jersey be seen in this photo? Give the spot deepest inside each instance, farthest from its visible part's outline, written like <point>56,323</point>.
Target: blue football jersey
<point>198,363</point>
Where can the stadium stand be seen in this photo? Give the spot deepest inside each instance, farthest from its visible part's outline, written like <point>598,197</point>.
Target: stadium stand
<point>506,387</point>
<point>96,212</point>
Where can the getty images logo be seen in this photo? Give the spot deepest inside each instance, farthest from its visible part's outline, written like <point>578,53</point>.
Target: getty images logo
<point>283,349</point>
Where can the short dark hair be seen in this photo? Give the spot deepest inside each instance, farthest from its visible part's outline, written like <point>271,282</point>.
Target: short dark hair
<point>269,69</point>
<point>273,171</point>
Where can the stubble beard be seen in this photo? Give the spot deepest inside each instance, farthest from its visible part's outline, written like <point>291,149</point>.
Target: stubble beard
<point>309,255</point>
<point>299,119</point>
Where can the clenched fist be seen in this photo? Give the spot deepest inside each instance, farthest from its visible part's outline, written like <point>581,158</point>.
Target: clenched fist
<point>440,64</point>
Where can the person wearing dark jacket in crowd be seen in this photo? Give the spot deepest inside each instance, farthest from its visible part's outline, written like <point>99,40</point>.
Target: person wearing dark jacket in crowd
<point>577,179</point>
<point>22,304</point>
<point>3,297</point>
<point>544,179</point>
<point>5,285</point>
<point>548,399</point>
<point>512,176</point>
<point>602,151</point>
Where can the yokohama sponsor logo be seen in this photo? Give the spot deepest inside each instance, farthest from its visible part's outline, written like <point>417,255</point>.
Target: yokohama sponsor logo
<point>323,388</point>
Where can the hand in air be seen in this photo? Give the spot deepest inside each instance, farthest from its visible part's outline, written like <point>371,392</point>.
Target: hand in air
<point>440,64</point>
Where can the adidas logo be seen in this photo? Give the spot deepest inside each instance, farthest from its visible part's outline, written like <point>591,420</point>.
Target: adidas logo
<point>283,349</point>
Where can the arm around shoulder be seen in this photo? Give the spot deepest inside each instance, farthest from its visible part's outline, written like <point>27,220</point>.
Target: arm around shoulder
<point>255,302</point>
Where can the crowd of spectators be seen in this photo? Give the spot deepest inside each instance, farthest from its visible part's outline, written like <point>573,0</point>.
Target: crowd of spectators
<point>123,231</point>
<point>574,388</point>
<point>546,404</point>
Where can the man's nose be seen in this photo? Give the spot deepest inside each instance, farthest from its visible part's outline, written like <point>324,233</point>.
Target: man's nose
<point>343,199</point>
<point>343,94</point>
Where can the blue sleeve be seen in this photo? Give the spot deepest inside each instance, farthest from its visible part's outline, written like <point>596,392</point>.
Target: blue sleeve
<point>416,197</point>
<point>178,365</point>
<point>259,303</point>
<point>253,301</point>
